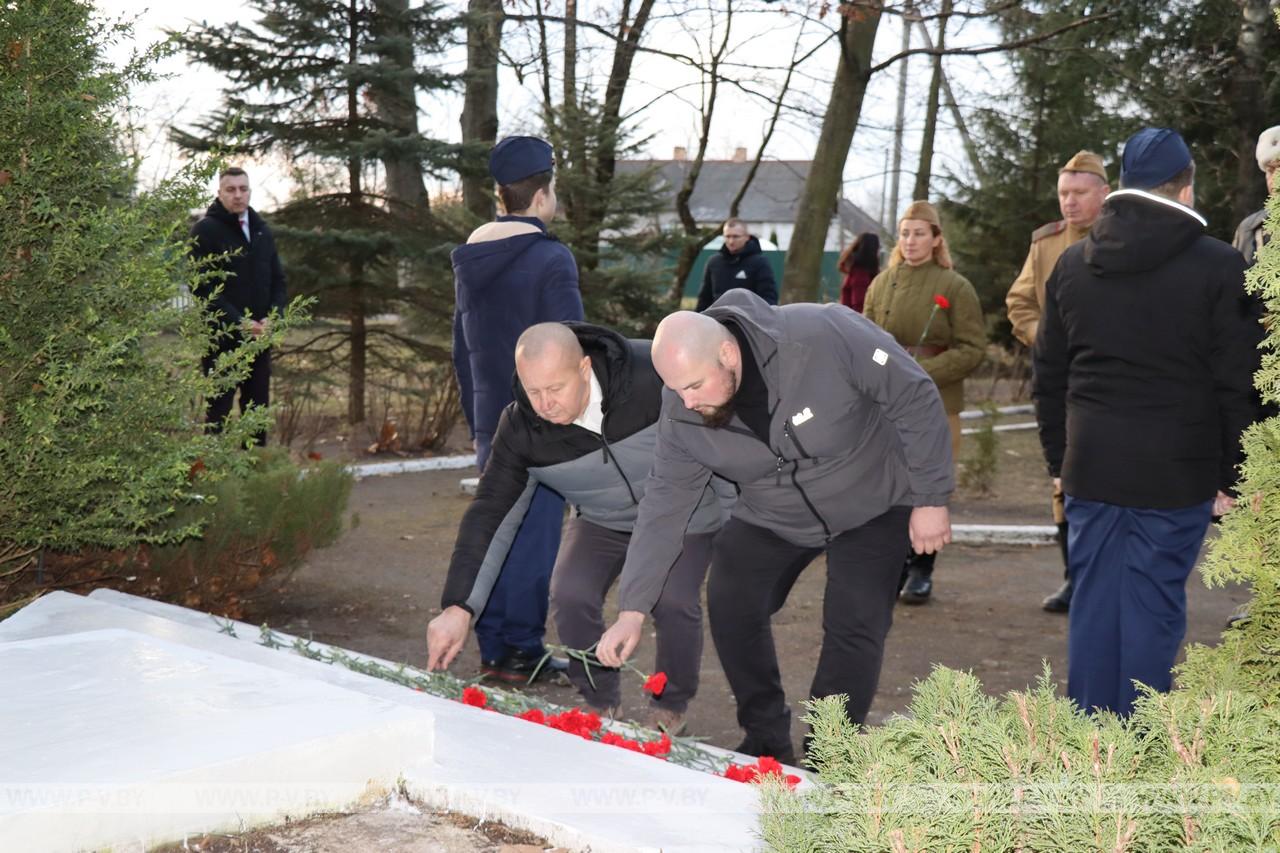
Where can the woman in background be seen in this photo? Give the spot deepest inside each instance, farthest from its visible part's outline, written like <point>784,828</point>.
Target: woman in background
<point>933,313</point>
<point>860,262</point>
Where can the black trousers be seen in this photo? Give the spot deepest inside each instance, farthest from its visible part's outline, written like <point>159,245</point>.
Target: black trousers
<point>254,390</point>
<point>752,572</point>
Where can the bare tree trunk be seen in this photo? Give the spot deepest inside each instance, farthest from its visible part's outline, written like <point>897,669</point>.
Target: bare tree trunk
<point>480,100</point>
<point>802,272</point>
<point>925,170</point>
<point>970,150</point>
<point>355,198</point>
<point>1248,103</point>
<point>398,107</point>
<point>629,33</point>
<point>899,123</point>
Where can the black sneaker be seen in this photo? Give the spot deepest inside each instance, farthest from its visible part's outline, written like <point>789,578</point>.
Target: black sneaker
<point>1060,601</point>
<point>518,666</point>
<point>751,746</point>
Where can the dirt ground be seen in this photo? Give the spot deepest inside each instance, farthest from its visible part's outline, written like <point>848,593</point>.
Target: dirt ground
<point>375,590</point>
<point>395,825</point>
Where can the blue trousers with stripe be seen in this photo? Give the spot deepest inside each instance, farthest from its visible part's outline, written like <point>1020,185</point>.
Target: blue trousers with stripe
<point>516,616</point>
<point>1129,567</point>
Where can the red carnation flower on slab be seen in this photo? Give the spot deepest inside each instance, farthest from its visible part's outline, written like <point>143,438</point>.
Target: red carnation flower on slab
<point>766,765</point>
<point>659,748</point>
<point>655,684</point>
<point>533,715</point>
<point>941,301</point>
<point>475,697</point>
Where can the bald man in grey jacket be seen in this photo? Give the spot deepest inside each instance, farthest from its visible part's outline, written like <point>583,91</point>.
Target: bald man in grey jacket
<point>838,444</point>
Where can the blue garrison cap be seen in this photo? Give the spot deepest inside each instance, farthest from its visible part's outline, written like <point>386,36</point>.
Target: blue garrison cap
<point>1153,156</point>
<point>517,157</point>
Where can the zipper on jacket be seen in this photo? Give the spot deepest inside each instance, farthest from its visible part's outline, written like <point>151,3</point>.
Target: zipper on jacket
<point>786,431</point>
<point>609,456</point>
<point>826,531</point>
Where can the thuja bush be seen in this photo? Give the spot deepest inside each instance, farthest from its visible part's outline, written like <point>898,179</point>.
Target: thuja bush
<point>100,382</point>
<point>1194,769</point>
<point>253,525</point>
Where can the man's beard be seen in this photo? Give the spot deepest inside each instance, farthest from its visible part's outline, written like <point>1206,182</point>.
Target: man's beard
<point>722,414</point>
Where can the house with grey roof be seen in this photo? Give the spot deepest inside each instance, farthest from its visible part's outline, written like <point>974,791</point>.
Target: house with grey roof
<point>768,208</point>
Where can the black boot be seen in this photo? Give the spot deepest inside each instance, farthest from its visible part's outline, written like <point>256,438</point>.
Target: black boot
<point>918,585</point>
<point>783,752</point>
<point>1060,601</point>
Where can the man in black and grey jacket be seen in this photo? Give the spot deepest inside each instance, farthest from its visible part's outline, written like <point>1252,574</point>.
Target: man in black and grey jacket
<point>838,442</point>
<point>584,423</point>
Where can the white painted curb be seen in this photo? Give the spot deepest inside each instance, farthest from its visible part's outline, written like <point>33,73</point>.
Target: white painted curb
<point>1004,534</point>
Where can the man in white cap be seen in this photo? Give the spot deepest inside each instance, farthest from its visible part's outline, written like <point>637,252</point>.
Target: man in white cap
<point>1249,236</point>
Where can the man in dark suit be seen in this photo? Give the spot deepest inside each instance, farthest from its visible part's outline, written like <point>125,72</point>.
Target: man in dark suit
<point>253,288</point>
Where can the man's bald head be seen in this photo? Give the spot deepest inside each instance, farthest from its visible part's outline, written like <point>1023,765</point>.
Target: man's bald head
<point>548,341</point>
<point>689,336</point>
<point>554,372</point>
<point>699,359</point>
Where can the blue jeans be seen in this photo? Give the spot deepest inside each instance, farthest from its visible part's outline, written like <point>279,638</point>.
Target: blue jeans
<point>1129,567</point>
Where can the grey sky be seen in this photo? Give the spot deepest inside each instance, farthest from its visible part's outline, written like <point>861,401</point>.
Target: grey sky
<point>763,36</point>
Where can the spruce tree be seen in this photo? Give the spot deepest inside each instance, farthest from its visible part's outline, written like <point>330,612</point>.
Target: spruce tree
<point>304,80</point>
<point>101,390</point>
<point>1058,104</point>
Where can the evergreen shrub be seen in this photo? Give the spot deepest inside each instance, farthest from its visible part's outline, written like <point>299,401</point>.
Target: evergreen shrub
<point>1194,769</point>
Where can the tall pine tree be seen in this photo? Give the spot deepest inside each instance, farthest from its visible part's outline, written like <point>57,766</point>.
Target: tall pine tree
<point>101,389</point>
<point>306,82</point>
<point>1058,104</point>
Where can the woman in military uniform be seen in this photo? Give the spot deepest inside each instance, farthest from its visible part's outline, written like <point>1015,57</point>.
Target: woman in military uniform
<point>933,312</point>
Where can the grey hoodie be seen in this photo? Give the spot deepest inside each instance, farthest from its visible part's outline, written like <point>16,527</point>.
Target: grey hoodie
<point>857,428</point>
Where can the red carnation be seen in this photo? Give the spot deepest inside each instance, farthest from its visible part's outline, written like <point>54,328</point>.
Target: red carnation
<point>941,301</point>
<point>533,715</point>
<point>475,697</point>
<point>766,765</point>
<point>656,683</point>
<point>659,748</point>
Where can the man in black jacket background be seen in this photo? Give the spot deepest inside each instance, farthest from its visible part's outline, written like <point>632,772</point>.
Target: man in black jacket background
<point>1144,366</point>
<point>739,263</point>
<point>253,287</point>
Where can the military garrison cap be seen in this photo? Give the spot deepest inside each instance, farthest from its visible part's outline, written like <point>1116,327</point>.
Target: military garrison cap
<point>1085,161</point>
<point>518,157</point>
<point>1153,156</point>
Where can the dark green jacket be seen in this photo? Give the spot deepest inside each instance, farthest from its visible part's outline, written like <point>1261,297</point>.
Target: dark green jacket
<point>901,300</point>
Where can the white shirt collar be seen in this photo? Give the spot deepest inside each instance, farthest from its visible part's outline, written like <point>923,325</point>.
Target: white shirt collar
<point>592,418</point>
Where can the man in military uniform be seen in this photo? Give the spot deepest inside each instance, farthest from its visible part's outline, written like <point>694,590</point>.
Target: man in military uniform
<point>1082,187</point>
<point>1250,236</point>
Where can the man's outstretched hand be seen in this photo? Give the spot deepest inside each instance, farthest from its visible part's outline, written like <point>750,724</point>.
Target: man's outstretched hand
<point>617,643</point>
<point>446,635</point>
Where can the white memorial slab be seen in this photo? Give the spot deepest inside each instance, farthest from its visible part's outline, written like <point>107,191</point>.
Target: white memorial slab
<point>574,793</point>
<point>118,739</point>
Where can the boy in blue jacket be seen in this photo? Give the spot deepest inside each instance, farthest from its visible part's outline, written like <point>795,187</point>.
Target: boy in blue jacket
<point>510,275</point>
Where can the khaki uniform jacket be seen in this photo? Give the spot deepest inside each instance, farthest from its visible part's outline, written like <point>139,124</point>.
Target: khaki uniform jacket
<point>1026,295</point>
<point>900,301</point>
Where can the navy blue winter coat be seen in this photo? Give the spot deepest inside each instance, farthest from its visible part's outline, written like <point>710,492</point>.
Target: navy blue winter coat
<point>503,287</point>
